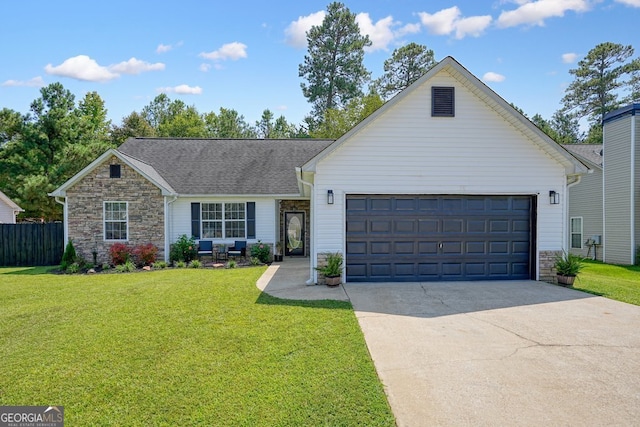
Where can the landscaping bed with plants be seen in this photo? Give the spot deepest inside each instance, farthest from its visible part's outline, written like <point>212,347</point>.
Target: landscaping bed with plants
<point>125,258</point>
<point>182,347</point>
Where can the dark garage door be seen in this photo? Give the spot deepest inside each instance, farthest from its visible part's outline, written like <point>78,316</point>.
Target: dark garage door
<point>399,238</point>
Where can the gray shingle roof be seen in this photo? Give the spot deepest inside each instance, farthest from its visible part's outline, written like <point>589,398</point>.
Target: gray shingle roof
<point>589,152</point>
<point>225,166</point>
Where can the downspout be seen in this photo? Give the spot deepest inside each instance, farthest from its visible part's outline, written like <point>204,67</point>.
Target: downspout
<point>312,223</point>
<point>167,226</point>
<point>65,223</point>
<point>565,240</point>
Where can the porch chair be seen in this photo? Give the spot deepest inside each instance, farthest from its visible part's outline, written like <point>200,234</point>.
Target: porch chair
<point>239,249</point>
<point>205,248</point>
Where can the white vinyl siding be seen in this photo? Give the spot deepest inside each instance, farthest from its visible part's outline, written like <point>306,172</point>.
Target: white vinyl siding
<point>266,217</point>
<point>7,215</point>
<point>406,151</point>
<point>617,192</point>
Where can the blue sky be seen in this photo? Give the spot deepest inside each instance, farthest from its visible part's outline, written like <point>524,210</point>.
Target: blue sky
<point>244,55</point>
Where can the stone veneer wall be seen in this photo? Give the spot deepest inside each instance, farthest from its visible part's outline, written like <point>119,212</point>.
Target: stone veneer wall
<point>547,270</point>
<point>85,210</point>
<point>296,206</point>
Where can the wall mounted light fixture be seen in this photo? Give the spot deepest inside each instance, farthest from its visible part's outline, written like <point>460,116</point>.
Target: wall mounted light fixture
<point>554,198</point>
<point>330,197</point>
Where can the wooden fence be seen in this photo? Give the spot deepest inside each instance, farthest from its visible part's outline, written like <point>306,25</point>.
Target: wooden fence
<point>31,244</point>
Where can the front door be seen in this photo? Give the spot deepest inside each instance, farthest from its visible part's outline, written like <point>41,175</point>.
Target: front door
<point>295,237</point>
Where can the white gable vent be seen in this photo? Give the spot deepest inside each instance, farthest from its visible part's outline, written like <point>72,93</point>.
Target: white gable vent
<point>442,101</point>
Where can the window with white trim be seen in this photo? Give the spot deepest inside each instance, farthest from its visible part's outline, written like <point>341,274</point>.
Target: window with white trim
<point>228,220</point>
<point>116,220</point>
<point>576,232</point>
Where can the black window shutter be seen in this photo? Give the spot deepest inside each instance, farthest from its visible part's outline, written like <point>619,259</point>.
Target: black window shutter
<point>251,220</point>
<point>442,101</point>
<point>195,220</point>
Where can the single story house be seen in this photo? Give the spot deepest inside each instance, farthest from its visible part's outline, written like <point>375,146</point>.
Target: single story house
<point>446,181</point>
<point>8,210</point>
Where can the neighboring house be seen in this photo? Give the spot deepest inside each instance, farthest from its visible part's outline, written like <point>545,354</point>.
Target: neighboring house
<point>446,181</point>
<point>8,210</point>
<point>585,225</point>
<point>621,135</point>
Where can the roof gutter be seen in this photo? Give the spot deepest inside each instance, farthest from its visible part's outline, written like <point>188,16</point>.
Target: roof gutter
<point>312,280</point>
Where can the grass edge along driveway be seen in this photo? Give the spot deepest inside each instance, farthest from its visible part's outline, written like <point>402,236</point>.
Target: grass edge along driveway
<point>182,347</point>
<point>618,282</point>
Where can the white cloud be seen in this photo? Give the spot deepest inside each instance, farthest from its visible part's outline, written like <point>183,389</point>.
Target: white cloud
<point>632,3</point>
<point>493,77</point>
<point>135,66</point>
<point>282,108</point>
<point>296,33</point>
<point>569,58</point>
<point>440,23</point>
<point>379,33</point>
<point>34,82</point>
<point>181,90</point>
<point>82,67</point>
<point>448,21</point>
<point>163,48</point>
<point>473,26</point>
<point>535,13</point>
<point>232,51</point>
<point>205,67</point>
<point>408,29</point>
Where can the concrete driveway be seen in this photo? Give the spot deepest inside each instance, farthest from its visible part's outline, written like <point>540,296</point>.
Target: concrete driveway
<point>502,353</point>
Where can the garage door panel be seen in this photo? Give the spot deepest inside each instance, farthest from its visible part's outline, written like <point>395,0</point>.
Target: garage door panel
<point>428,225</point>
<point>380,226</point>
<point>405,226</point>
<point>404,238</point>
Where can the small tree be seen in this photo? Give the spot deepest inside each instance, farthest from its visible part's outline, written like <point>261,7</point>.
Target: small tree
<point>183,250</point>
<point>69,256</point>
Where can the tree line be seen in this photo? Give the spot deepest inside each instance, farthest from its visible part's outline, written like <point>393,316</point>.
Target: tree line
<point>41,149</point>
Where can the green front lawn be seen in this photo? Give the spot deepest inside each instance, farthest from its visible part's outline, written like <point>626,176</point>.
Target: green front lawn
<point>182,347</point>
<point>617,282</point>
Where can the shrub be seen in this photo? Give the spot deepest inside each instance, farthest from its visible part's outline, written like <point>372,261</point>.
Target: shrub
<point>333,266</point>
<point>68,257</point>
<point>159,265</point>
<point>568,264</point>
<point>255,261</point>
<point>231,264</point>
<point>106,266</point>
<point>195,264</point>
<point>145,254</point>
<point>180,264</point>
<point>119,253</point>
<point>73,268</point>
<point>127,267</point>
<point>261,251</point>
<point>184,249</point>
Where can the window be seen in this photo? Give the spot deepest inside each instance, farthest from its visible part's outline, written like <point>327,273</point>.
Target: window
<point>220,220</point>
<point>115,220</point>
<point>114,171</point>
<point>211,220</point>
<point>234,220</point>
<point>442,101</point>
<point>576,233</point>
